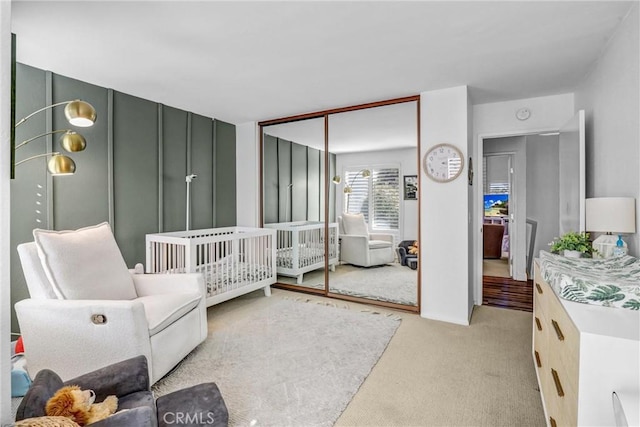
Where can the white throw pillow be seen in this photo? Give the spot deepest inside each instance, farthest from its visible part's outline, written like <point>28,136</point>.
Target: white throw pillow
<point>354,224</point>
<point>84,264</point>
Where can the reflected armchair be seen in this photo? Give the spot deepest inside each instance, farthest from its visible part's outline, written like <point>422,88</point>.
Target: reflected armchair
<point>361,248</point>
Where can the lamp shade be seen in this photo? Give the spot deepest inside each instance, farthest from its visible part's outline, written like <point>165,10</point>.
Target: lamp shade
<point>61,165</point>
<point>73,142</point>
<point>611,214</point>
<point>80,113</point>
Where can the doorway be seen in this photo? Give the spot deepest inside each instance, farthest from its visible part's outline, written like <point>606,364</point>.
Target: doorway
<point>497,180</point>
<point>520,189</point>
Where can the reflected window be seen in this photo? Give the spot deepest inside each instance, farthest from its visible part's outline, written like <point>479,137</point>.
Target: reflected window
<point>375,194</point>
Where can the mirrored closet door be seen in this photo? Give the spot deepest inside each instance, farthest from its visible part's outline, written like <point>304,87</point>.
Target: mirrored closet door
<point>341,189</point>
<point>293,199</point>
<point>376,206</point>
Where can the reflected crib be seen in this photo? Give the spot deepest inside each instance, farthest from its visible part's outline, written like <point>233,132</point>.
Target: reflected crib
<point>300,247</point>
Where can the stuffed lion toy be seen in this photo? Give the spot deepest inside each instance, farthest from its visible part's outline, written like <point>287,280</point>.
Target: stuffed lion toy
<point>77,404</point>
<point>413,249</point>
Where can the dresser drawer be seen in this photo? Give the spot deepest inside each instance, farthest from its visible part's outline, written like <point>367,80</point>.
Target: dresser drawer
<point>562,389</point>
<point>541,292</point>
<point>564,340</point>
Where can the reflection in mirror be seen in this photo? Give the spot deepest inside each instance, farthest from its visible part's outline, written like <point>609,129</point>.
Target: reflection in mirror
<point>376,156</point>
<point>294,200</point>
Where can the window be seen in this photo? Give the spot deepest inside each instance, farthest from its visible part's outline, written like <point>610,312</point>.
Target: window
<point>377,197</point>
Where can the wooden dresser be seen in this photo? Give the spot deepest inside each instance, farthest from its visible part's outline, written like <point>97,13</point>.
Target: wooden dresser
<point>583,353</point>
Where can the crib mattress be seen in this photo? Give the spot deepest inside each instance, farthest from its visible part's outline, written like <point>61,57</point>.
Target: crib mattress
<point>610,282</point>
<point>306,256</point>
<point>222,277</point>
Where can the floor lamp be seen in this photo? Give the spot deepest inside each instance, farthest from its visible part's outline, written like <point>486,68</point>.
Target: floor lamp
<point>348,189</point>
<point>78,113</point>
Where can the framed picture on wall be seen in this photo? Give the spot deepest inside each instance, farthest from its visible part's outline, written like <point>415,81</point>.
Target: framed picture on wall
<point>411,187</point>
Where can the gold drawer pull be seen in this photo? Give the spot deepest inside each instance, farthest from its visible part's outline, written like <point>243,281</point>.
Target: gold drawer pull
<point>558,330</point>
<point>552,422</point>
<point>556,380</point>
<point>538,288</point>
<point>537,359</point>
<point>538,324</point>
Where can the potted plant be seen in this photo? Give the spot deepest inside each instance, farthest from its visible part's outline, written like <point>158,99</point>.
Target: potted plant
<point>572,245</point>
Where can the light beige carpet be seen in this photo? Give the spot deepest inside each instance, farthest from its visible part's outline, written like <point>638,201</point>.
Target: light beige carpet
<point>439,374</point>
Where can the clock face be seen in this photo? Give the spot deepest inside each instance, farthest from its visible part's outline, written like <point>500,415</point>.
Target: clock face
<point>443,163</point>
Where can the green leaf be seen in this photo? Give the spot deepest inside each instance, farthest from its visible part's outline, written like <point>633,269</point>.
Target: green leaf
<point>606,293</point>
<point>633,304</point>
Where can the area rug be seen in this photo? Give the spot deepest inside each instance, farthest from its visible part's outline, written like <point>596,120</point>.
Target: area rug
<point>391,282</point>
<point>285,362</point>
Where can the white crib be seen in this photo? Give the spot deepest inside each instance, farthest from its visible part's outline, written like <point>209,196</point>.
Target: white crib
<point>301,247</point>
<point>233,260</point>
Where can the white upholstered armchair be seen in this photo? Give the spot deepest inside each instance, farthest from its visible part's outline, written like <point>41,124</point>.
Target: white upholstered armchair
<point>361,248</point>
<point>87,310</point>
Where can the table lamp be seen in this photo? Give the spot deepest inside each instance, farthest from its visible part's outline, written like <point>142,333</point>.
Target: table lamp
<point>613,216</point>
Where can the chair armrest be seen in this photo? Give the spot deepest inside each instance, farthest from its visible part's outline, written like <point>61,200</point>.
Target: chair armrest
<point>352,240</point>
<point>354,249</point>
<point>154,284</point>
<point>381,236</point>
<point>119,379</point>
<point>61,335</point>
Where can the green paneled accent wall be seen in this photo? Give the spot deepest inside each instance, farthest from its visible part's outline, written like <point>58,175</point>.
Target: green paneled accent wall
<point>285,163</point>
<point>284,179</point>
<point>332,188</point>
<point>299,180</point>
<point>174,168</point>
<point>29,207</point>
<point>225,174</point>
<point>135,174</point>
<point>270,179</point>
<point>202,157</point>
<point>132,172</point>
<point>313,187</point>
<point>82,199</point>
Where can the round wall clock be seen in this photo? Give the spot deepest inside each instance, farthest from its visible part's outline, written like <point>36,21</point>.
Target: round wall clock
<point>443,162</point>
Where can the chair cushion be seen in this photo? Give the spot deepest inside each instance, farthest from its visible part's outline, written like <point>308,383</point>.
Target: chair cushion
<point>84,264</point>
<point>379,244</point>
<point>354,224</point>
<point>44,385</point>
<point>163,309</point>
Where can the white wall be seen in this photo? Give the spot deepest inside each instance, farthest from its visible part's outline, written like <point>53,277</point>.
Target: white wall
<point>5,134</point>
<point>445,214</point>
<point>247,174</point>
<point>610,97</point>
<point>548,113</point>
<point>407,160</point>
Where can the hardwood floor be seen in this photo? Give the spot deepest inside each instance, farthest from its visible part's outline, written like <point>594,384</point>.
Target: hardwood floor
<point>507,293</point>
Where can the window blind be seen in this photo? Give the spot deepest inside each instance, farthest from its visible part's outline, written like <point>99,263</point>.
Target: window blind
<point>376,197</point>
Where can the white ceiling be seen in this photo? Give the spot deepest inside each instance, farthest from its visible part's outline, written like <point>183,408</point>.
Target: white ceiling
<point>244,61</point>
